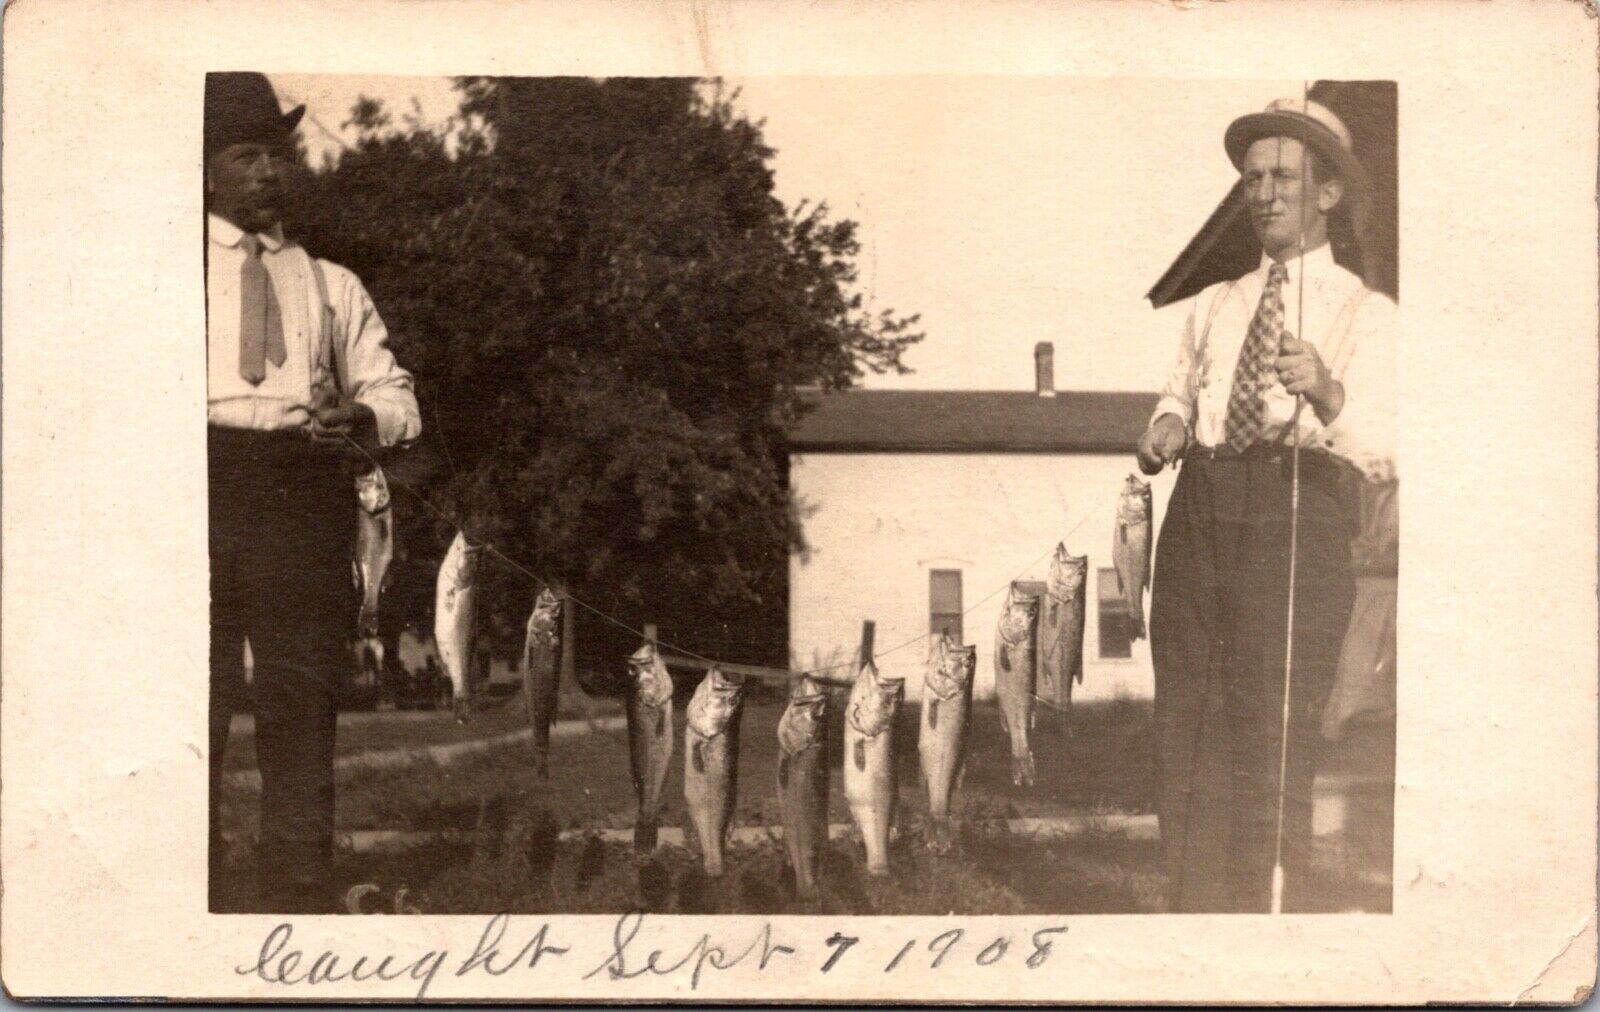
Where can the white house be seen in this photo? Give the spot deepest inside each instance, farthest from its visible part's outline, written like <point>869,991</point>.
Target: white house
<point>923,506</point>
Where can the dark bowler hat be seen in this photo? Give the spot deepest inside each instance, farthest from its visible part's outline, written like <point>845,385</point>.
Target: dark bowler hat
<point>241,108</point>
<point>1311,123</point>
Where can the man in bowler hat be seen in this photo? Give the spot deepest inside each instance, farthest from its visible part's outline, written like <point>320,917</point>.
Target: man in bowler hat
<point>298,376</point>
<point>1298,326</point>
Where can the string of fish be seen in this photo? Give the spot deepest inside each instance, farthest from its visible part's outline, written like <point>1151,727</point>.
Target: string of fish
<point>542,582</point>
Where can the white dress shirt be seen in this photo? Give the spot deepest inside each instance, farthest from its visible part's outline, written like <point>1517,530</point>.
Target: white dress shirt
<point>1353,329</point>
<point>345,341</point>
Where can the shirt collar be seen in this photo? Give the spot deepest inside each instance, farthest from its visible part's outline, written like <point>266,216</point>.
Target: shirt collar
<point>225,233</point>
<point>1318,264</point>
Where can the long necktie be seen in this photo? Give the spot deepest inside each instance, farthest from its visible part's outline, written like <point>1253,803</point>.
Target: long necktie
<point>260,323</point>
<point>1247,403</point>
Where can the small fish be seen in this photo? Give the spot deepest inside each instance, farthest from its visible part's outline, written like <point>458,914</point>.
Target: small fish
<point>942,741</point>
<point>711,762</point>
<point>369,662</point>
<point>374,549</point>
<point>649,739</point>
<point>1061,626</point>
<point>1014,678</point>
<point>541,674</point>
<point>803,782</point>
<point>1130,548</point>
<point>869,773</point>
<point>455,617</point>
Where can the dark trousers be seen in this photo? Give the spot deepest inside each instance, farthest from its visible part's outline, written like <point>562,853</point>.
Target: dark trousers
<point>281,523</point>
<point>1217,635</point>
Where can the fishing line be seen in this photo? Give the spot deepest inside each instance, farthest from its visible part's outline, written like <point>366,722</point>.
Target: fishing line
<point>980,602</point>
<point>1294,525</point>
<point>514,564</point>
<point>541,581</point>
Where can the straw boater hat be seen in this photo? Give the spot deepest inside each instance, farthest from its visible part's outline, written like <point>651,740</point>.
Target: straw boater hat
<point>241,108</point>
<point>1312,124</point>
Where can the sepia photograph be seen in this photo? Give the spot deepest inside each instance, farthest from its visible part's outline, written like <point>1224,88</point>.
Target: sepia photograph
<point>849,503</point>
<point>653,494</point>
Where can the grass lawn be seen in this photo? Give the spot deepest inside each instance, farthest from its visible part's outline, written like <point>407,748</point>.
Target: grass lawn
<point>368,732</point>
<point>1105,764</point>
<point>513,861</point>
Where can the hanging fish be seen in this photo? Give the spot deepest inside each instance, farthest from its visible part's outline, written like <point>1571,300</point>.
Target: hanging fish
<point>942,741</point>
<point>869,772</point>
<point>1061,626</point>
<point>374,551</point>
<point>455,618</point>
<point>803,782</point>
<point>1130,548</point>
<point>711,762</point>
<point>541,674</point>
<point>649,739</point>
<point>1014,677</point>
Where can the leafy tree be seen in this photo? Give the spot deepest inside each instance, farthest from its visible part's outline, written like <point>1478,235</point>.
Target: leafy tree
<point>608,313</point>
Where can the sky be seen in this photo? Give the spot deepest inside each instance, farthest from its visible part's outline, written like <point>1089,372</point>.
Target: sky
<point>1004,210</point>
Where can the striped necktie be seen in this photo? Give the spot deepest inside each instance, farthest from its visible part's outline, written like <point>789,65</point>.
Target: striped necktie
<point>1247,403</point>
<point>260,322</point>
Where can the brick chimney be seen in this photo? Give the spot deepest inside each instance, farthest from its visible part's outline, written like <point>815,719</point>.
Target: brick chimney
<point>1044,369</point>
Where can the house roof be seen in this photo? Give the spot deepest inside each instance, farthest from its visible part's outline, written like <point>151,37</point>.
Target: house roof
<point>971,421</point>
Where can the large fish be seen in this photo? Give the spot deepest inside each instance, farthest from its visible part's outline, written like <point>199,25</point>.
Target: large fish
<point>1061,626</point>
<point>649,739</point>
<point>1130,548</point>
<point>869,769</point>
<point>455,618</point>
<point>374,551</point>
<point>803,782</point>
<point>541,674</point>
<point>1014,677</point>
<point>711,762</point>
<point>942,741</point>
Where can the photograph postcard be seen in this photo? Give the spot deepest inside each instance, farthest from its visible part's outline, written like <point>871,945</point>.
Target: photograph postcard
<point>837,503</point>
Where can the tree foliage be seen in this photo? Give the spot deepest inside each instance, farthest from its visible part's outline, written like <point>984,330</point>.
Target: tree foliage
<point>608,314</point>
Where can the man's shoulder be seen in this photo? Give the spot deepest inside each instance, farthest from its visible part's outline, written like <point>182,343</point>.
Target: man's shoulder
<point>1207,297</point>
<point>337,276</point>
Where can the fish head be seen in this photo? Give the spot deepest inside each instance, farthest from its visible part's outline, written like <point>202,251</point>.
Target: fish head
<point>1018,619</point>
<point>1067,574</point>
<point>873,700</point>
<point>1133,506</point>
<point>714,704</point>
<point>547,602</point>
<point>804,720</point>
<point>471,559</point>
<point>372,491</point>
<point>948,672</point>
<point>648,672</point>
<point>542,621</point>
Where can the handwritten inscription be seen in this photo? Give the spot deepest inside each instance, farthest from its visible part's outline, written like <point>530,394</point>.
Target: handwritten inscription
<point>633,952</point>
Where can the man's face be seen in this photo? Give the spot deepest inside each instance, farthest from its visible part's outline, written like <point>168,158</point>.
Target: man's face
<point>245,184</point>
<point>1286,200</point>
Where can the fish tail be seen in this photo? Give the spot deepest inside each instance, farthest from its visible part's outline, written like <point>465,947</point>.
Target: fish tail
<point>644,835</point>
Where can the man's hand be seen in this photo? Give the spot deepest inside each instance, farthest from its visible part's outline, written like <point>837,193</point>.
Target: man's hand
<point>333,421</point>
<point>1161,443</point>
<point>1301,372</point>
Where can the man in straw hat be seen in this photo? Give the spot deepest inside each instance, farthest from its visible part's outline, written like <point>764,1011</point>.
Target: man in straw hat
<point>298,377</point>
<point>1298,326</point>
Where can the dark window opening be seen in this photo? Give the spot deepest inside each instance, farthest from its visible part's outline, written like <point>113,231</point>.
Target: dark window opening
<point>944,602</point>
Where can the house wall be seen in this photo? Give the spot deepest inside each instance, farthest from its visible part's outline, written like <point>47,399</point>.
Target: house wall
<point>877,523</point>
